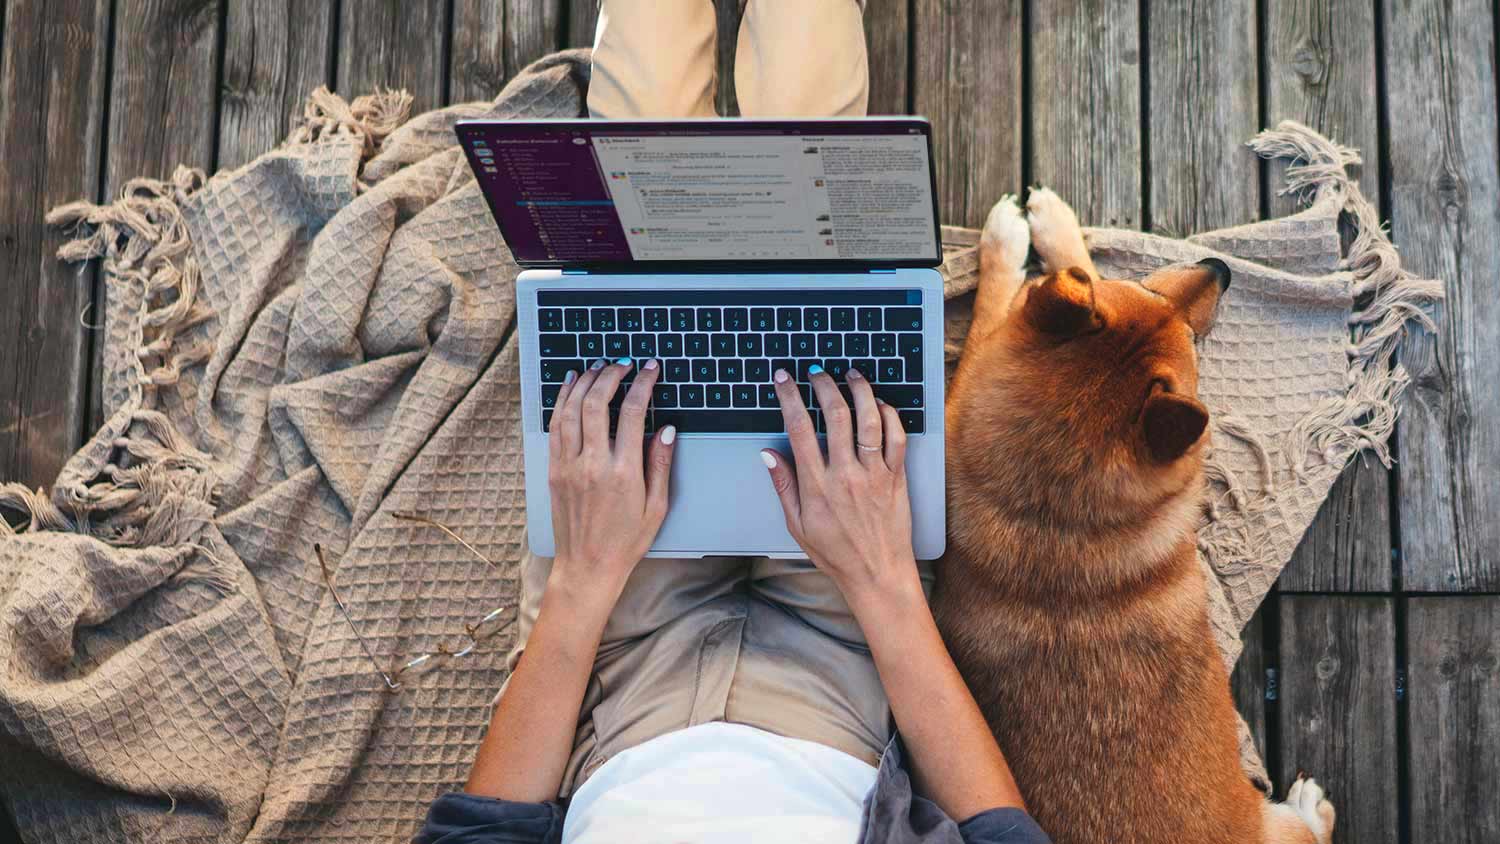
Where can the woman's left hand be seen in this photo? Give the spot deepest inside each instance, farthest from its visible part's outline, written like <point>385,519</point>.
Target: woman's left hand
<point>608,502</point>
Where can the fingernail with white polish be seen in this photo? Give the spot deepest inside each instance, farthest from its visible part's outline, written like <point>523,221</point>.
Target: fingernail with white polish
<point>668,434</point>
<point>769,459</point>
<point>780,376</point>
<point>650,364</point>
<point>570,377</point>
<point>853,374</point>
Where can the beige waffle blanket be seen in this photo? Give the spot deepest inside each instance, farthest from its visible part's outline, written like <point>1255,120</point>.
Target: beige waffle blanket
<point>299,348</point>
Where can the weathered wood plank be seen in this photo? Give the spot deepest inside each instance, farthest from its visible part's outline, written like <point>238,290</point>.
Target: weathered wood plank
<point>275,53</point>
<point>1248,680</point>
<point>1445,218</point>
<point>1320,70</point>
<point>1086,136</point>
<point>887,28</point>
<point>1337,710</point>
<point>967,81</point>
<point>1203,107</point>
<point>393,44</point>
<point>1453,694</point>
<point>161,105</point>
<point>583,17</point>
<point>51,128</point>
<point>492,39</point>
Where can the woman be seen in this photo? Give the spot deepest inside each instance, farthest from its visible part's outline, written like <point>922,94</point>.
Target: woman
<point>731,699</point>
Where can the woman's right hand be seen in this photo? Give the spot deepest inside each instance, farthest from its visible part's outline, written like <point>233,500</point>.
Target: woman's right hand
<point>608,498</point>
<point>849,510</point>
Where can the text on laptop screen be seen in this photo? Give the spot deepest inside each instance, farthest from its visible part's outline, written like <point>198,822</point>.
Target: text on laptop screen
<point>578,194</point>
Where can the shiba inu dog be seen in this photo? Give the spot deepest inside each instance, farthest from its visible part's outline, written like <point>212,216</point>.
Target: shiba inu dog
<point>1070,595</point>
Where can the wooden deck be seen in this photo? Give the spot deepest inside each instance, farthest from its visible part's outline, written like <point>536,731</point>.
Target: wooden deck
<point>1376,665</point>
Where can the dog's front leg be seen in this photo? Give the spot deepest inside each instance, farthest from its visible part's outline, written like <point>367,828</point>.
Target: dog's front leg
<point>1002,266</point>
<point>1056,234</point>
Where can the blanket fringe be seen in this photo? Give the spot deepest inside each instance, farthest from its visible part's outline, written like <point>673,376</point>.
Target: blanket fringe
<point>371,117</point>
<point>1388,301</point>
<point>151,472</point>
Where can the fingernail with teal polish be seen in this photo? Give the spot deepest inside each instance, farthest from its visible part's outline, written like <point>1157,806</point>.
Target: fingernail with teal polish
<point>570,377</point>
<point>624,361</point>
<point>814,369</point>
<point>598,364</point>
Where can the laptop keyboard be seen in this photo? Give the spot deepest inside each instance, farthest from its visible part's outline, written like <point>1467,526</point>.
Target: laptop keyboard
<point>718,349</point>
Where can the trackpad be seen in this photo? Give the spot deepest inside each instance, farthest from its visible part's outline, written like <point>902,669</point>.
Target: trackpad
<point>722,501</point>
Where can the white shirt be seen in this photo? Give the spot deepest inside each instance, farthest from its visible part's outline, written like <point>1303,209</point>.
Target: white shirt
<point>723,783</point>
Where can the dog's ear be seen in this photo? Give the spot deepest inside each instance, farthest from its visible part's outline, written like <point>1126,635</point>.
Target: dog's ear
<point>1195,289</point>
<point>1062,304</point>
<point>1171,423</point>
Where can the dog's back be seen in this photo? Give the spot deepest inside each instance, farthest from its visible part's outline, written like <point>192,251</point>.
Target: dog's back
<point>1071,596</point>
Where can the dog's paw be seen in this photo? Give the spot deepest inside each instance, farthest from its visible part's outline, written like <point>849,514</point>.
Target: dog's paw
<point>1006,235</point>
<point>1308,800</point>
<point>1055,231</point>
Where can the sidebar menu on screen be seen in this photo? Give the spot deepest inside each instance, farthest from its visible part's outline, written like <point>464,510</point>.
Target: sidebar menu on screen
<point>549,197</point>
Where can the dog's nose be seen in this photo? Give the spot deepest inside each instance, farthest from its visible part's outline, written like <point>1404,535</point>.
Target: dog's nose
<point>1221,271</point>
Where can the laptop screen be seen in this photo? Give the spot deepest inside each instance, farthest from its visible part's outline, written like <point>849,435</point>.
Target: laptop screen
<point>611,194</point>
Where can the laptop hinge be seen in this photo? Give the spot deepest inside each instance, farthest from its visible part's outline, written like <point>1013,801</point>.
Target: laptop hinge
<point>883,271</point>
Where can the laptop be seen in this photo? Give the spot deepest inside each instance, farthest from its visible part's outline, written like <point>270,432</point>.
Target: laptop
<point>726,249</point>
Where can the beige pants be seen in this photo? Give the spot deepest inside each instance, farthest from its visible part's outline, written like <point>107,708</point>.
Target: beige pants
<point>768,643</point>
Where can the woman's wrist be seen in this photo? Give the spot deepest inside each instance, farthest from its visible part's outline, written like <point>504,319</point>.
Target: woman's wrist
<point>583,592</point>
<point>894,594</point>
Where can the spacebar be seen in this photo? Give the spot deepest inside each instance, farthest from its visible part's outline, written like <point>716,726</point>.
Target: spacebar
<point>720,421</point>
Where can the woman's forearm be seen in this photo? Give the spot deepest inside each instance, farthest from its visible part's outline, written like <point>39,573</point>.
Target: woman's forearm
<point>954,758</point>
<point>526,749</point>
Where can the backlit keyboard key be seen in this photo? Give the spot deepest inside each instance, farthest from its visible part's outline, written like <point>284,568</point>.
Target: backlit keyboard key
<point>757,370</point>
<point>869,319</point>
<point>762,319</point>
<point>903,319</point>
<point>705,371</point>
<point>722,345</point>
<point>695,345</point>
<point>557,345</point>
<point>883,345</point>
<point>889,371</point>
<point>553,369</point>
<point>643,345</point>
<point>815,319</point>
<point>744,395</point>
<point>778,345</point>
<point>830,344</point>
<point>749,345</point>
<point>709,319</point>
<point>730,371</point>
<point>549,319</point>
<point>736,319</point>
<point>911,420</point>
<point>689,395</point>
<point>616,345</point>
<point>549,395</point>
<point>576,319</point>
<point>717,395</point>
<point>656,319</point>
<point>789,319</point>
<point>602,319</point>
<point>669,345</point>
<point>677,371</point>
<point>856,344</point>
<point>629,319</point>
<point>842,319</point>
<point>682,319</point>
<point>665,395</point>
<point>591,345</point>
<point>900,396</point>
<point>804,345</point>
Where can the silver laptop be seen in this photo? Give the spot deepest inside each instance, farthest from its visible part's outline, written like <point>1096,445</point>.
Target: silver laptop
<point>726,249</point>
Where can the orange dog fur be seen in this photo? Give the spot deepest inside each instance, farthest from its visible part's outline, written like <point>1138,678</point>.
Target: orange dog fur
<point>1071,596</point>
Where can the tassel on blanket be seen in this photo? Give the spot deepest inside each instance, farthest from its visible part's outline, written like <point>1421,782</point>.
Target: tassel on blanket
<point>150,469</point>
<point>370,117</point>
<point>1388,300</point>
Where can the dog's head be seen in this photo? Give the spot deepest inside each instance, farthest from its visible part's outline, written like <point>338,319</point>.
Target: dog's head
<point>1089,388</point>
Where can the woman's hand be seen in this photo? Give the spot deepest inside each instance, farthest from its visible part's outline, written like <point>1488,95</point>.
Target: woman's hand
<point>849,511</point>
<point>606,506</point>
